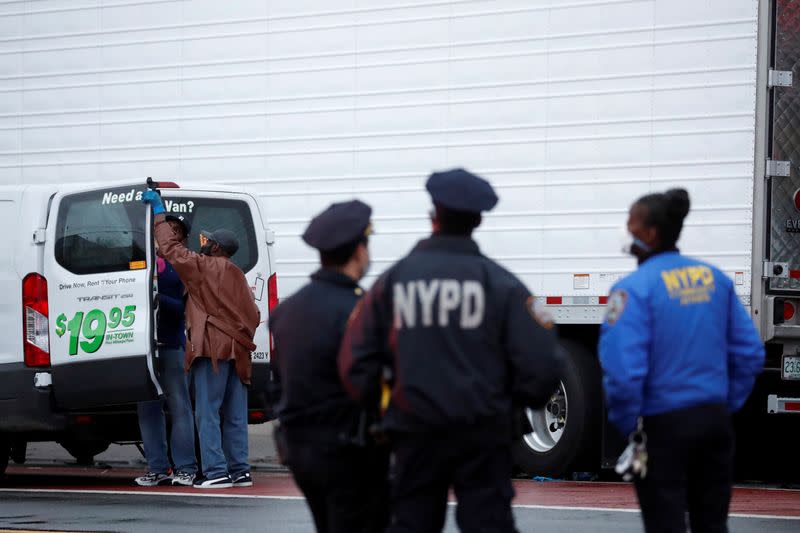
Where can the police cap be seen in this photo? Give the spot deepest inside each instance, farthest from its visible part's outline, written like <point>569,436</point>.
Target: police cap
<point>226,239</point>
<point>341,223</point>
<point>461,190</point>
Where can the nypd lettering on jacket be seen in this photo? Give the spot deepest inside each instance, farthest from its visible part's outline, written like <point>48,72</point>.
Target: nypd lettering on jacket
<point>441,302</point>
<point>460,335</point>
<point>692,284</point>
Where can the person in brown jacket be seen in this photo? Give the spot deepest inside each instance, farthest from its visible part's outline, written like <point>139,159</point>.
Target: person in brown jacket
<point>221,320</point>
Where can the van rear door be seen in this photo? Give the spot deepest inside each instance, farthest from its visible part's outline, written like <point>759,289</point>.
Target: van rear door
<point>240,213</point>
<point>99,268</point>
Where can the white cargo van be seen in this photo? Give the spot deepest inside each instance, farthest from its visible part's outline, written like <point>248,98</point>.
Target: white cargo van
<point>77,275</point>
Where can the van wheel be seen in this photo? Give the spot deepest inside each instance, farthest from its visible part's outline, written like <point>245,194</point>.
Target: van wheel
<point>566,431</point>
<point>5,452</point>
<point>84,451</point>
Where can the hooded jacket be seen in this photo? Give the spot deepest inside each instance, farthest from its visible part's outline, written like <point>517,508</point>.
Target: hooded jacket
<point>221,313</point>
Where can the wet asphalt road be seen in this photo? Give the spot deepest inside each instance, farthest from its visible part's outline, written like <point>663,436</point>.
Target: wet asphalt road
<point>34,510</point>
<point>146,513</point>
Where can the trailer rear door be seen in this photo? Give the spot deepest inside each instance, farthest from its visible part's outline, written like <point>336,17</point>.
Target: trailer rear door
<point>784,190</point>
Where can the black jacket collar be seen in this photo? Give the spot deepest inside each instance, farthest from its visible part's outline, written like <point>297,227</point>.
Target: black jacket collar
<point>448,243</point>
<point>331,276</point>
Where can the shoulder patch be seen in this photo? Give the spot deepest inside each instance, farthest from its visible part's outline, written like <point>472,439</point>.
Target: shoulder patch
<point>616,306</point>
<point>540,313</point>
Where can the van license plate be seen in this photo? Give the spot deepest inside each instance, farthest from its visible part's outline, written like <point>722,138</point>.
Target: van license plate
<point>791,367</point>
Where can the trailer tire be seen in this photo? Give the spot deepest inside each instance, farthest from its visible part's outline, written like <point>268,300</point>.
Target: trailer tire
<point>578,444</point>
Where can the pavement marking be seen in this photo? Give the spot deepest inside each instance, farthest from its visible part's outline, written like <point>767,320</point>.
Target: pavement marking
<point>36,531</point>
<point>197,494</point>
<point>636,510</point>
<point>300,498</point>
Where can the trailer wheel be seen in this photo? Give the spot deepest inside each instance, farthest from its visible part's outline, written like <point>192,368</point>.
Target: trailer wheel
<point>566,432</point>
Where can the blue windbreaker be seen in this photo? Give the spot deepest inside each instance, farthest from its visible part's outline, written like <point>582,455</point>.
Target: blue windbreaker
<point>676,336</point>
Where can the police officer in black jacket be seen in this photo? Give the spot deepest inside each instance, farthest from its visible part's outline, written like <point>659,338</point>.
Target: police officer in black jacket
<point>342,473</point>
<point>463,343</point>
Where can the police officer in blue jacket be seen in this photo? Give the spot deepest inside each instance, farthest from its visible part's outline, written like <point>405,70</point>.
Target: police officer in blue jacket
<point>341,471</point>
<point>679,350</point>
<point>462,342</point>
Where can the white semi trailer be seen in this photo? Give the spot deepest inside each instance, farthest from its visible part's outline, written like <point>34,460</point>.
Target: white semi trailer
<point>572,108</point>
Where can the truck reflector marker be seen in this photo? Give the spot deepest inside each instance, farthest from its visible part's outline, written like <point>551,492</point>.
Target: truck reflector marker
<point>574,301</point>
<point>797,199</point>
<point>256,417</point>
<point>777,405</point>
<point>35,323</point>
<point>788,311</point>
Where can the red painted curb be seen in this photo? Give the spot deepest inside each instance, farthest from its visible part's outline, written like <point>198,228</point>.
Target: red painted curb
<point>756,501</point>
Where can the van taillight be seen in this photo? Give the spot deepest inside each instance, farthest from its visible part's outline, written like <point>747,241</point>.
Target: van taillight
<point>272,292</point>
<point>35,325</point>
<point>272,302</point>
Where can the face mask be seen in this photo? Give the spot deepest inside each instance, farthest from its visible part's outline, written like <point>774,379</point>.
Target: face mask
<point>631,245</point>
<point>206,250</point>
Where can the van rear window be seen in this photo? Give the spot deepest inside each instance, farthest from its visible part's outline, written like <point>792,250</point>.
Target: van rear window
<point>217,213</point>
<point>104,231</point>
<point>95,234</point>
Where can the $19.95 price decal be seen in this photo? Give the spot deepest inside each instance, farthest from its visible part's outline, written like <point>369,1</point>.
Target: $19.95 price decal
<point>90,330</point>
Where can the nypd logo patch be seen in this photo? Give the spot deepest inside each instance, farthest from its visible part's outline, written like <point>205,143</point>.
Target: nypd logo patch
<point>616,306</point>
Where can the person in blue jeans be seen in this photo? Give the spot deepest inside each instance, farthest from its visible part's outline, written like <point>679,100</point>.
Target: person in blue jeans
<point>215,392</point>
<point>152,422</point>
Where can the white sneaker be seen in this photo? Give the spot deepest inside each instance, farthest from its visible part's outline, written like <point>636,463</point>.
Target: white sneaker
<point>185,479</point>
<point>223,482</point>
<point>153,479</point>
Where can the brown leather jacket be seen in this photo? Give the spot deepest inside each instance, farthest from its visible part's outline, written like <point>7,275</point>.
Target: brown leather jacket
<point>221,313</point>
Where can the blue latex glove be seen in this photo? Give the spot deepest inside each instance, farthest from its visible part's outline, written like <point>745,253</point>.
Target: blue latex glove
<point>151,197</point>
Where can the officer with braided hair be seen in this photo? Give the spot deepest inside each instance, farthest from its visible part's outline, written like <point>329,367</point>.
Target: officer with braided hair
<point>679,354</point>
